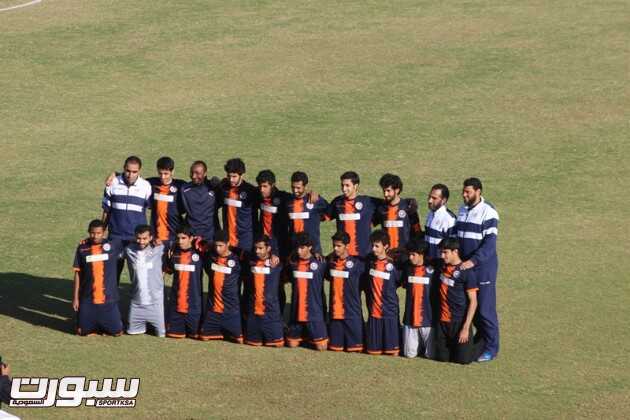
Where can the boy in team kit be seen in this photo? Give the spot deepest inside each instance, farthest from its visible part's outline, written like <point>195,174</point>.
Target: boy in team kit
<point>264,319</point>
<point>95,297</point>
<point>185,263</point>
<point>417,321</point>
<point>144,259</point>
<point>345,274</point>
<point>307,280</point>
<point>383,326</point>
<point>223,314</point>
<point>458,303</point>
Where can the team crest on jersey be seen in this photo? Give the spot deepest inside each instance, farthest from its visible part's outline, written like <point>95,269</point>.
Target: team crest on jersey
<point>313,266</point>
<point>243,195</point>
<point>349,264</point>
<point>276,201</point>
<point>358,205</point>
<point>107,247</point>
<point>310,206</point>
<point>456,274</point>
<point>402,213</point>
<point>173,189</point>
<point>389,267</point>
<point>195,257</point>
<point>231,263</point>
<point>428,270</point>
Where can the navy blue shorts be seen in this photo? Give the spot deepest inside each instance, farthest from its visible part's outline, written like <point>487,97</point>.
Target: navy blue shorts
<point>99,318</point>
<point>180,325</point>
<point>313,332</point>
<point>383,336</point>
<point>217,326</point>
<point>346,334</point>
<point>261,331</point>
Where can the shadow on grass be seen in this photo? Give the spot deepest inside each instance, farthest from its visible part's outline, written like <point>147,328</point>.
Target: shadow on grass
<point>44,301</point>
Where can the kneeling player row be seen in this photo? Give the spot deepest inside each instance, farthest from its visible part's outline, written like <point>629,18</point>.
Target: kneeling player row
<point>261,304</point>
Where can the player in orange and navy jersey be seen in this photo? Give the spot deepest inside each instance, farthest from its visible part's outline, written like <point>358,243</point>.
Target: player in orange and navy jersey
<point>305,212</point>
<point>95,295</point>
<point>354,214</point>
<point>307,280</point>
<point>345,274</point>
<point>417,277</point>
<point>166,209</point>
<point>223,313</point>
<point>185,262</point>
<point>240,199</point>
<point>458,303</point>
<point>383,326</point>
<point>397,216</point>
<point>272,215</point>
<point>264,319</point>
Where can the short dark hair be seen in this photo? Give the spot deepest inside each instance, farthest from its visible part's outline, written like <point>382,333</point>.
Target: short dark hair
<point>95,224</point>
<point>221,236</point>
<point>266,175</point>
<point>184,229</point>
<point>142,229</point>
<point>391,180</point>
<point>417,246</point>
<point>165,163</point>
<point>443,190</point>
<point>133,159</point>
<point>352,176</point>
<point>234,166</point>
<point>449,243</point>
<point>379,236</point>
<point>473,182</point>
<point>200,163</point>
<point>341,236</point>
<point>263,238</point>
<point>303,239</point>
<point>299,176</point>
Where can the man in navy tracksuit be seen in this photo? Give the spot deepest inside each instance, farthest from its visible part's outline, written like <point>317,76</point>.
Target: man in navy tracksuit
<point>477,229</point>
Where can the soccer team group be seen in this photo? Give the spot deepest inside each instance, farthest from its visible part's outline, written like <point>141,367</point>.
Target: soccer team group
<point>270,237</point>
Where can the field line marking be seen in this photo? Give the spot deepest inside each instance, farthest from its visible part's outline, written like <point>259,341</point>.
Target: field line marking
<point>19,6</point>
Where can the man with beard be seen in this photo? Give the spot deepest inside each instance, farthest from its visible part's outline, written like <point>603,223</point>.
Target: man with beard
<point>477,229</point>
<point>239,206</point>
<point>398,216</point>
<point>440,221</point>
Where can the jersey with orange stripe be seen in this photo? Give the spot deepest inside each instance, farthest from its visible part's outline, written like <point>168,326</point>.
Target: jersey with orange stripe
<point>383,280</point>
<point>186,290</point>
<point>97,265</point>
<point>307,279</point>
<point>166,212</point>
<point>224,284</point>
<point>454,282</point>
<point>263,284</point>
<point>355,217</point>
<point>273,221</point>
<point>345,276</point>
<point>305,216</point>
<point>417,282</point>
<point>239,213</point>
<point>400,221</point>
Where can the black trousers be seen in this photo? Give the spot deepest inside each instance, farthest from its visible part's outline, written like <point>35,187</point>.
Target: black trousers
<point>447,347</point>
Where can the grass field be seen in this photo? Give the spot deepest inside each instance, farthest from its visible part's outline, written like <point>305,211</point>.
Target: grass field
<point>532,97</point>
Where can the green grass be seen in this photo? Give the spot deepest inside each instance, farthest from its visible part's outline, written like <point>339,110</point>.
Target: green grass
<point>532,97</point>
